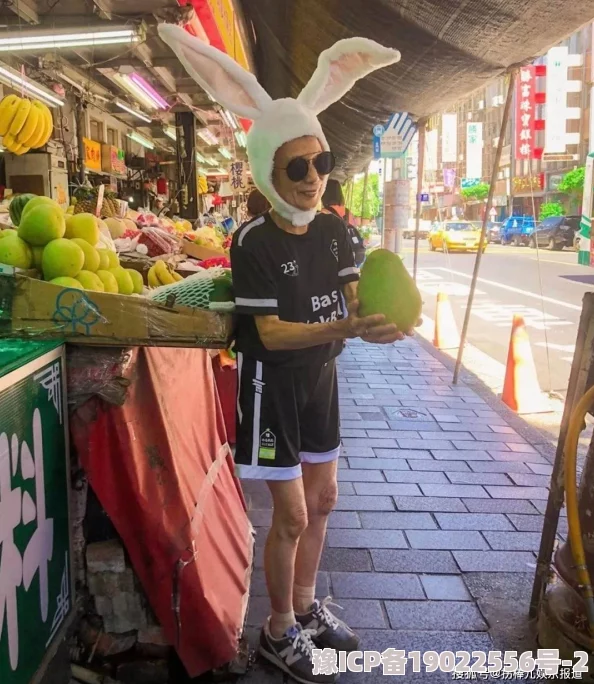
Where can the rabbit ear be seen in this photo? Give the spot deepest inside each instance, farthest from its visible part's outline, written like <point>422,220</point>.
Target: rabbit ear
<point>227,82</point>
<point>340,67</point>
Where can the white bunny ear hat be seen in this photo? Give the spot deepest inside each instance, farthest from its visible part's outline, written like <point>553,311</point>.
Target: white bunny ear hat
<point>277,121</point>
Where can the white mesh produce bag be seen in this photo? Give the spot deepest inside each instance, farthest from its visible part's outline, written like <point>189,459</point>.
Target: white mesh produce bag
<point>194,292</point>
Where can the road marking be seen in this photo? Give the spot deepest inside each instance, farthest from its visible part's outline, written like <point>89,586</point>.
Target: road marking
<point>567,348</point>
<point>509,288</point>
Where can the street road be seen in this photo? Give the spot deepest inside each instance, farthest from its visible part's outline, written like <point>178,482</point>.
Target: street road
<point>545,289</point>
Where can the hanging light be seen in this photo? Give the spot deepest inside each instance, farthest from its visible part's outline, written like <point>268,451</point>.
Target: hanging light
<point>208,136</point>
<point>170,132</point>
<point>134,112</point>
<point>148,90</point>
<point>141,140</point>
<point>12,41</point>
<point>225,153</point>
<point>15,80</point>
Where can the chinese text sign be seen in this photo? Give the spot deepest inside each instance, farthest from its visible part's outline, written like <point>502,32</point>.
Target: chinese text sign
<point>525,113</point>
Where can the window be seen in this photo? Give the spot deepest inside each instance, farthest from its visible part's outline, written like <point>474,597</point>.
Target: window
<point>96,130</point>
<point>113,137</point>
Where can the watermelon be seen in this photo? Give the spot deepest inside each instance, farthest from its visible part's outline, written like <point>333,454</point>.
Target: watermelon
<point>16,207</point>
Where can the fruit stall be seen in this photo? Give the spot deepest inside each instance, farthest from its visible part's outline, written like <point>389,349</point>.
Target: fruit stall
<point>145,307</point>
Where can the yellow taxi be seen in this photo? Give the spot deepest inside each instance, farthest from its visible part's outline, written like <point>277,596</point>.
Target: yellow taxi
<point>456,236</point>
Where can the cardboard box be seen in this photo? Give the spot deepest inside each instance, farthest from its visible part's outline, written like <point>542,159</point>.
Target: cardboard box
<point>202,253</point>
<point>34,308</point>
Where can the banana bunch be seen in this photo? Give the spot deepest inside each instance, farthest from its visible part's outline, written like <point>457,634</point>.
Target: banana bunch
<point>161,274</point>
<point>24,124</point>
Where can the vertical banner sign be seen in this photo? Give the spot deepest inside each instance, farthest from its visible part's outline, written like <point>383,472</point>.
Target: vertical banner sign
<point>525,113</point>
<point>431,143</point>
<point>449,138</point>
<point>474,150</point>
<point>556,109</point>
<point>238,177</point>
<point>35,579</point>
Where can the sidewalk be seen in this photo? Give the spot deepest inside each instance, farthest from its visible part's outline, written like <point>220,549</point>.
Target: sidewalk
<point>432,545</point>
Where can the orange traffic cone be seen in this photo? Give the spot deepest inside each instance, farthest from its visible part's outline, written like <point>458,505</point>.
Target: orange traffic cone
<point>521,391</point>
<point>446,332</point>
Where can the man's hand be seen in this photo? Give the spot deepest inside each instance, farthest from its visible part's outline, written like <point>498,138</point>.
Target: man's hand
<point>373,329</point>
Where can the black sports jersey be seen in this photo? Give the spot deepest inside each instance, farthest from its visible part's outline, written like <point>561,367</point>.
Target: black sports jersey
<point>295,277</point>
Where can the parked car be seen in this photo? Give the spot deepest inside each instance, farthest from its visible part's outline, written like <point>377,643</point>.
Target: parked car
<point>517,230</point>
<point>556,232</point>
<point>494,232</point>
<point>456,236</point>
<point>424,229</point>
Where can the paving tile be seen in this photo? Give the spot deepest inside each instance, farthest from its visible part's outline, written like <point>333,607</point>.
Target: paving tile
<point>366,539</point>
<point>504,430</point>
<point>378,464</point>
<point>344,519</point>
<point>443,418</point>
<point>365,424</point>
<point>439,466</point>
<point>522,448</point>
<point>454,455</point>
<point>500,506</point>
<point>513,541</point>
<point>495,561</point>
<point>455,491</point>
<point>260,518</point>
<point>496,437</point>
<point>416,454</point>
<point>387,489</point>
<point>398,521</point>
<point>445,540</point>
<point>350,432</point>
<point>392,434</point>
<point>427,444</point>
<point>384,401</point>
<point>541,507</point>
<point>478,478</point>
<point>258,586</point>
<point>369,585</point>
<point>478,445</point>
<point>362,613</point>
<point>527,523</point>
<point>366,442</point>
<point>540,469</point>
<point>429,504</point>
<point>473,521</point>
<point>467,425</point>
<point>342,464</point>
<point>352,475</point>
<point>365,503</point>
<point>445,588</point>
<point>425,425</point>
<point>415,561</point>
<point>416,477</point>
<point>347,560</point>
<point>346,489</point>
<point>431,615</point>
<point>531,480</point>
<point>357,452</point>
<point>499,467</point>
<point>518,492</point>
<point>519,457</point>
<point>445,434</point>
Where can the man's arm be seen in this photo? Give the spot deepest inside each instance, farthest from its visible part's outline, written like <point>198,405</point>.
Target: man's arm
<point>279,335</point>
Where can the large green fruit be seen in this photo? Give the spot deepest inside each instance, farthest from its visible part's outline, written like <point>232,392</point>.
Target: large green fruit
<point>84,226</point>
<point>42,224</point>
<point>90,281</point>
<point>92,260</point>
<point>64,281</point>
<point>15,252</point>
<point>36,201</point>
<point>125,284</point>
<point>387,288</point>
<point>17,205</point>
<point>62,258</point>
<point>109,282</point>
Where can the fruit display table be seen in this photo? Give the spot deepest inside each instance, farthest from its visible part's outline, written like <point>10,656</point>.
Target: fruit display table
<point>36,591</point>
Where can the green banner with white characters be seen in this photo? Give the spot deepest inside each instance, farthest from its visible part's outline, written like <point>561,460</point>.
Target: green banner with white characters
<point>35,575</point>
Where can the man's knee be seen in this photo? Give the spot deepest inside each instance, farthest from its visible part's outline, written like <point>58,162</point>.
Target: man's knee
<point>323,503</point>
<point>291,524</point>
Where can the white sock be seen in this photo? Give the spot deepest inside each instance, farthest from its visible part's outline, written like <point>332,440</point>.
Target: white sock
<point>303,597</point>
<point>280,623</point>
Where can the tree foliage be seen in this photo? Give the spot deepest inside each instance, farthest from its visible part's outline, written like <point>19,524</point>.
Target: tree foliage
<point>476,192</point>
<point>572,183</point>
<point>372,201</point>
<point>550,209</point>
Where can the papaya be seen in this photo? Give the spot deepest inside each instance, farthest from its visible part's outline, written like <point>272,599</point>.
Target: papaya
<point>387,288</point>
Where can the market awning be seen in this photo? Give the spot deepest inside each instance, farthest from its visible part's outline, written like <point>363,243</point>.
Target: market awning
<point>449,48</point>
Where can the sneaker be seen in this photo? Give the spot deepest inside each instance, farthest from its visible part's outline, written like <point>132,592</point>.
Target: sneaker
<point>329,631</point>
<point>293,654</point>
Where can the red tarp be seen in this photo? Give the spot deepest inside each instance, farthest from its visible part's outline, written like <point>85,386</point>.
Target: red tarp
<point>162,470</point>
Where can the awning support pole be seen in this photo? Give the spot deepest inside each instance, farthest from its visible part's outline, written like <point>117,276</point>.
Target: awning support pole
<point>422,127</point>
<point>364,198</point>
<point>479,254</point>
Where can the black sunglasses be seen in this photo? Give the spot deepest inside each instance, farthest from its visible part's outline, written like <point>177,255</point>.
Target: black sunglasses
<point>298,168</point>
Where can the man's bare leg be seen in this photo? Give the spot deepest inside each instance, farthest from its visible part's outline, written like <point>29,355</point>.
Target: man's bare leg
<point>289,520</point>
<point>321,492</point>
